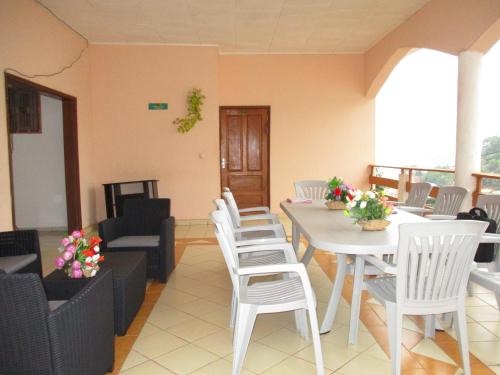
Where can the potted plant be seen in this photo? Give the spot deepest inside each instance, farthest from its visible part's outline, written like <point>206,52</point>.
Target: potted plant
<point>370,210</point>
<point>338,194</point>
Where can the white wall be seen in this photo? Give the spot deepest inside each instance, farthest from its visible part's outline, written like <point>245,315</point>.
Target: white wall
<point>38,172</point>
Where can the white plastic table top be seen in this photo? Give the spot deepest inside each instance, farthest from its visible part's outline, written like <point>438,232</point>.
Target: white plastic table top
<point>332,231</point>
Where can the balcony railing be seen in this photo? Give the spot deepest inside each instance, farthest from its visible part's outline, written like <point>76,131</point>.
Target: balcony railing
<point>397,178</point>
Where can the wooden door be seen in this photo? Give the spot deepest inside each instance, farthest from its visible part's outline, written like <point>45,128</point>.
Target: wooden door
<point>244,153</point>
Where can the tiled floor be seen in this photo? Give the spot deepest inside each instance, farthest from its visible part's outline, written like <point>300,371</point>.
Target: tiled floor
<point>182,327</point>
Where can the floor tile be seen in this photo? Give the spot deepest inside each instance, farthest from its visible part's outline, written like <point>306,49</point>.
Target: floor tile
<point>148,368</point>
<point>133,359</point>
<point>192,330</point>
<point>148,329</point>
<point>157,344</point>
<point>260,357</point>
<point>167,317</point>
<point>219,343</point>
<point>429,348</point>
<point>293,366</point>
<point>219,367</point>
<point>484,313</point>
<point>476,332</point>
<point>340,337</point>
<point>334,356</point>
<point>285,340</point>
<point>363,364</point>
<point>493,327</point>
<point>186,359</point>
<point>488,352</point>
<point>200,307</point>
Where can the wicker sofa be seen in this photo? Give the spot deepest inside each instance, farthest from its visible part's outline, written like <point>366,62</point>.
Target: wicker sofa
<point>20,252</point>
<point>146,225</point>
<point>74,337</point>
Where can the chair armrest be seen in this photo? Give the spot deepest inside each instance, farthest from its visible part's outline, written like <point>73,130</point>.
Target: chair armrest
<point>254,209</point>
<point>82,329</point>
<point>260,241</point>
<point>490,238</point>
<point>380,264</point>
<point>441,217</point>
<point>22,242</point>
<point>276,228</point>
<point>167,248</point>
<point>415,210</point>
<point>110,229</point>
<point>271,217</point>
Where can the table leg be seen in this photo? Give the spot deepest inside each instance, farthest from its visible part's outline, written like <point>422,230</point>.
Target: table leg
<point>308,255</point>
<point>357,289</point>
<point>334,301</point>
<point>295,237</point>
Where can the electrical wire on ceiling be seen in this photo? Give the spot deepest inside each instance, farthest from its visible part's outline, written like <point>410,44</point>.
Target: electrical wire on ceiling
<point>65,67</point>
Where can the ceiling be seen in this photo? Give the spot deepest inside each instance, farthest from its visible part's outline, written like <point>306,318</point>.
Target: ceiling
<point>239,26</point>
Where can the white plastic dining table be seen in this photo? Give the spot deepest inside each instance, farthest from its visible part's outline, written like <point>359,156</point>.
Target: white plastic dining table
<point>330,230</point>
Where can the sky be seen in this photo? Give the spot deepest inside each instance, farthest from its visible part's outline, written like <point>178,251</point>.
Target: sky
<point>415,112</point>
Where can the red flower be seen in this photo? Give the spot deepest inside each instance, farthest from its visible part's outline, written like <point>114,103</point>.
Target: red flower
<point>88,253</point>
<point>95,241</point>
<point>349,196</point>
<point>101,258</point>
<point>338,191</point>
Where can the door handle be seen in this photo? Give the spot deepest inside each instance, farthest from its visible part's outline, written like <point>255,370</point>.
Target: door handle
<point>223,163</point>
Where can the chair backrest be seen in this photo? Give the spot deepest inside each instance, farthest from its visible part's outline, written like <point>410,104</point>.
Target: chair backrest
<point>233,208</point>
<point>434,260</point>
<point>449,200</point>
<point>491,204</point>
<point>24,334</point>
<point>222,206</point>
<point>228,250</point>
<point>313,189</point>
<point>418,194</point>
<point>143,217</point>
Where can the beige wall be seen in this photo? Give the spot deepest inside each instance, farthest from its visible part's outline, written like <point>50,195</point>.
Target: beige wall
<point>33,42</point>
<point>321,122</point>
<point>134,143</point>
<point>450,26</point>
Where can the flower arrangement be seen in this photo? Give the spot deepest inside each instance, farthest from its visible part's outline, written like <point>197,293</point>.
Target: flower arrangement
<point>338,194</point>
<point>79,257</point>
<point>369,209</point>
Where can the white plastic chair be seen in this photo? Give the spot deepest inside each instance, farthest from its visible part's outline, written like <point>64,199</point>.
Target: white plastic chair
<point>291,293</point>
<point>491,204</point>
<point>434,260</point>
<point>417,197</point>
<point>238,219</point>
<point>252,235</point>
<point>313,189</point>
<point>448,203</point>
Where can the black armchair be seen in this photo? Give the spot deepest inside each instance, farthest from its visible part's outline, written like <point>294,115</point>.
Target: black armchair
<point>20,252</point>
<point>73,337</point>
<point>146,225</point>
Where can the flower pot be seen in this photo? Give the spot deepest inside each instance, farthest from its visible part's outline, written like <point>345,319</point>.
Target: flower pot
<point>374,225</point>
<point>335,205</point>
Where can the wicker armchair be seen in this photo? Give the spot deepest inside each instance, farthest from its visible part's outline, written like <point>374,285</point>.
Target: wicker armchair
<point>71,338</point>
<point>146,225</point>
<point>20,251</point>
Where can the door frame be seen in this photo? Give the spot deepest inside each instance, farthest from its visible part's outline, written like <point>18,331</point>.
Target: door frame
<point>268,109</point>
<point>71,158</point>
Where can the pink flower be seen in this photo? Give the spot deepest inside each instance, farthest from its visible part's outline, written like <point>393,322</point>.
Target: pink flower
<point>76,265</point>
<point>65,241</point>
<point>71,249</point>
<point>67,255</point>
<point>76,234</point>
<point>59,263</point>
<point>76,274</point>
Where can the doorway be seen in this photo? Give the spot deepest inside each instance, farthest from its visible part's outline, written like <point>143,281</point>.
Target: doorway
<point>43,155</point>
<point>244,154</point>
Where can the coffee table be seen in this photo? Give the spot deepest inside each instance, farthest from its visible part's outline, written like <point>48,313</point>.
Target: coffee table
<point>129,285</point>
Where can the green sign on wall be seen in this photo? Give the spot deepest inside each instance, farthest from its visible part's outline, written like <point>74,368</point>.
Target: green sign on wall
<point>158,106</point>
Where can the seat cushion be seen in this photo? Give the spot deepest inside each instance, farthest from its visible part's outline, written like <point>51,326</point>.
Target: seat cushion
<point>11,264</point>
<point>55,304</point>
<point>135,241</point>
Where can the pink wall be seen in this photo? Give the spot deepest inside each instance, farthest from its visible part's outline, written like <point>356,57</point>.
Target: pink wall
<point>450,26</point>
<point>33,42</point>
<point>133,142</point>
<point>321,122</point>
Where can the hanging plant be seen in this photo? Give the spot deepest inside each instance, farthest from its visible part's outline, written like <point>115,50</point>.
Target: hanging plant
<point>194,103</point>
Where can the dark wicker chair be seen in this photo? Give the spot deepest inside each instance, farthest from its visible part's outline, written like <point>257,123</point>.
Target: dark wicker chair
<point>146,225</point>
<point>22,242</point>
<point>75,338</point>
